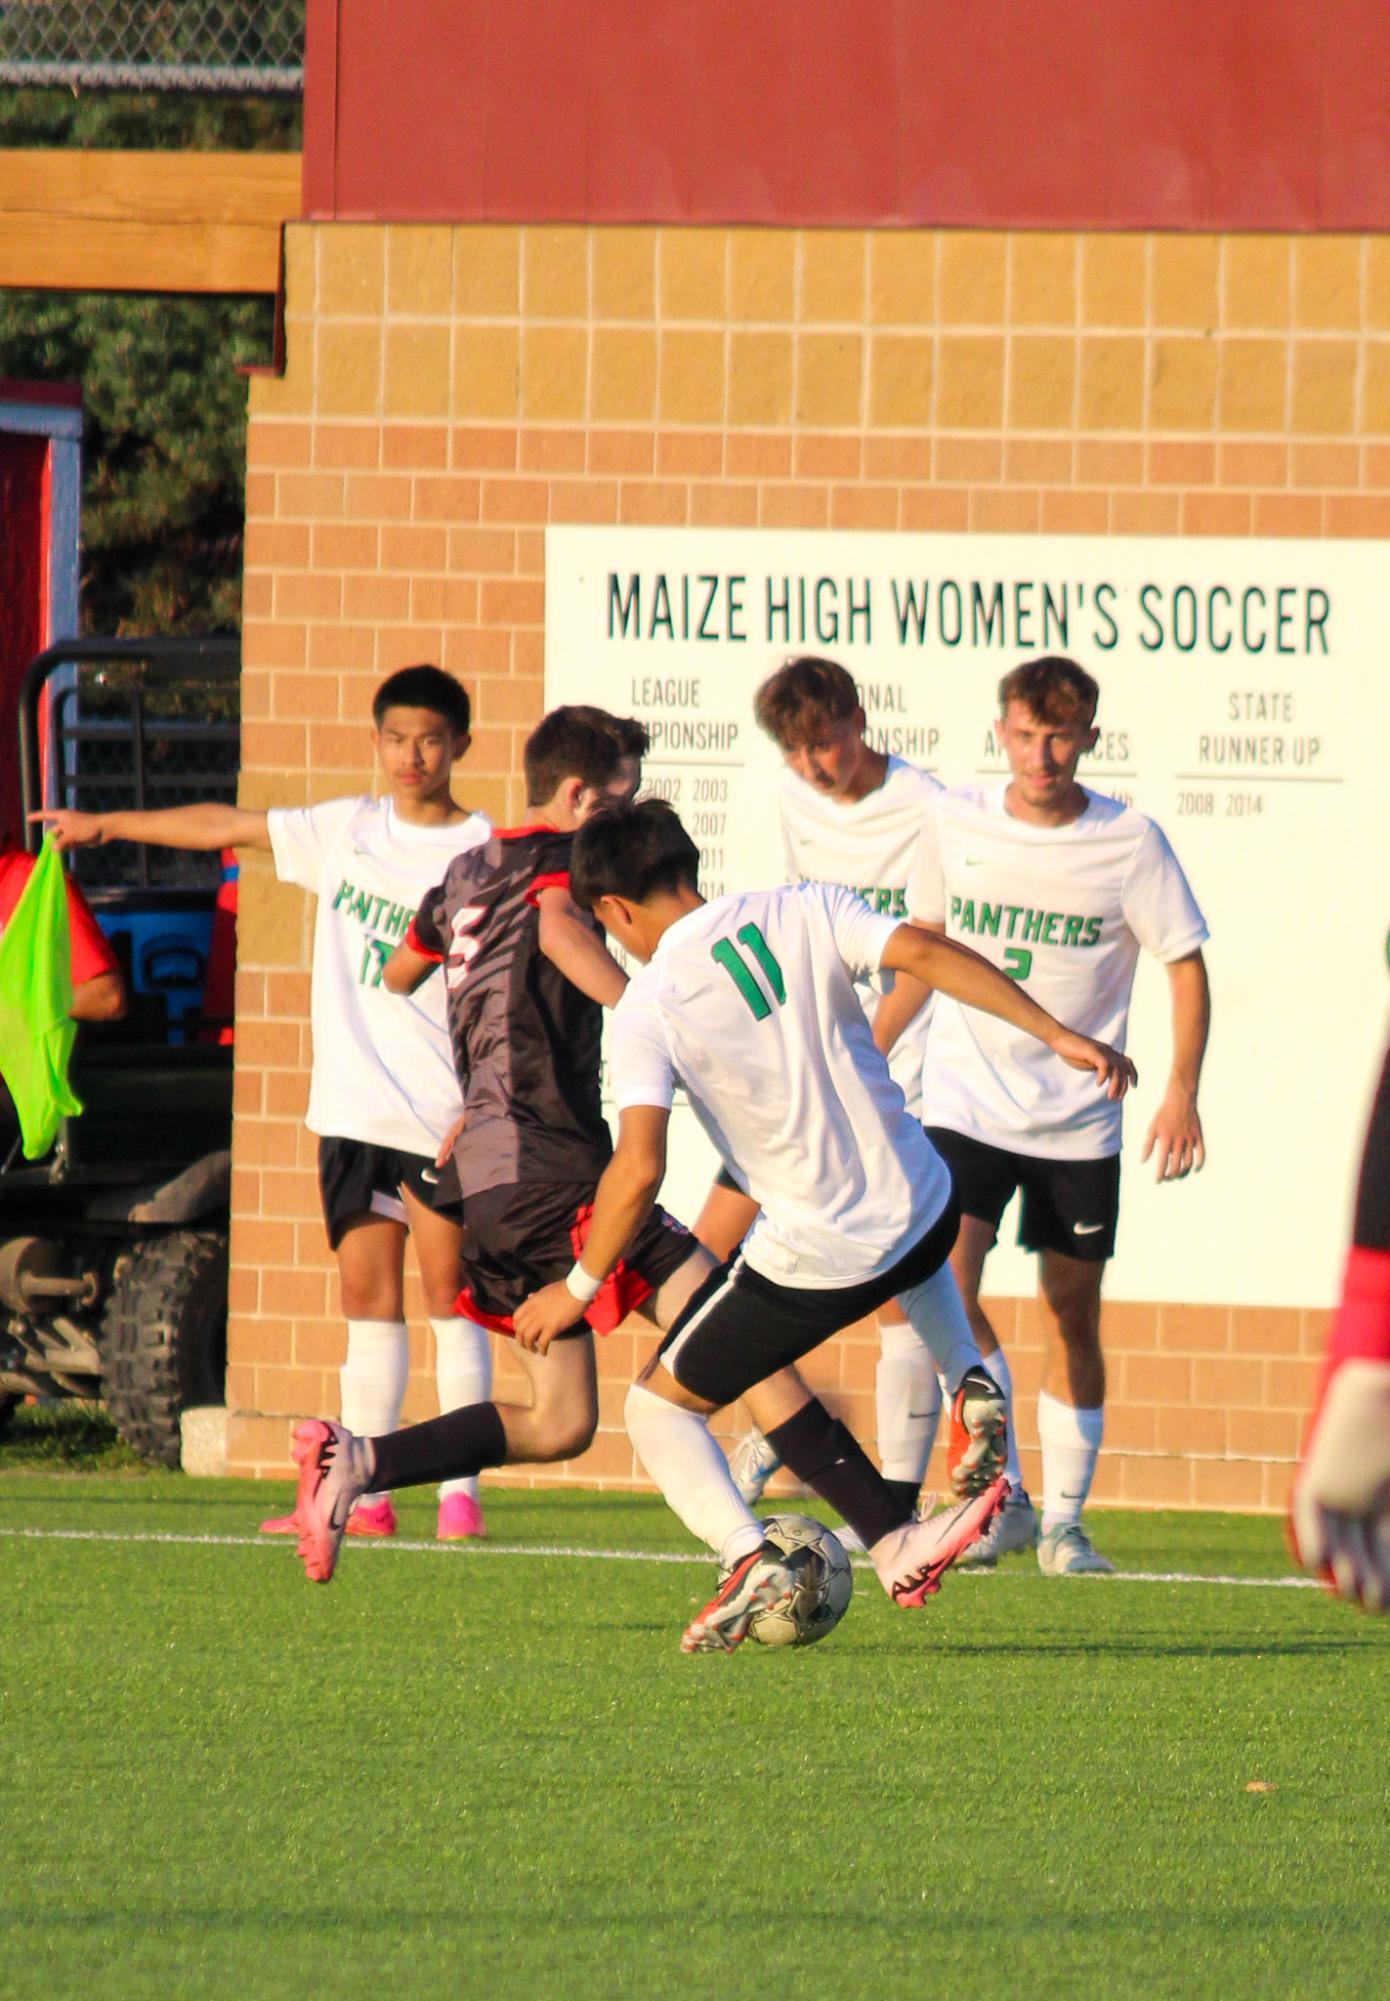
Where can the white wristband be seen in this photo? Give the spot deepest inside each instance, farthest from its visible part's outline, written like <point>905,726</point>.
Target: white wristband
<point>581,1286</point>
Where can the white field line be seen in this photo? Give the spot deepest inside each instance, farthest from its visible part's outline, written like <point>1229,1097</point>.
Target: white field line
<point>576,1553</point>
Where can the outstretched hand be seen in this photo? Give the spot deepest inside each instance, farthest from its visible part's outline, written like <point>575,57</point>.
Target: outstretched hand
<point>70,829</point>
<point>1111,1070</point>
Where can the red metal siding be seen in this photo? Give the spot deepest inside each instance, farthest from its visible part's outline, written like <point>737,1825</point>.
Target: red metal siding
<point>1185,114</point>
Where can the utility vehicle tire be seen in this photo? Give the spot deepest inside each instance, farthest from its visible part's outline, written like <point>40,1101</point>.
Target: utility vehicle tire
<point>164,1337</point>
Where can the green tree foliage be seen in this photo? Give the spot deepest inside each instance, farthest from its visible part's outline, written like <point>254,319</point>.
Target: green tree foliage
<point>164,442</point>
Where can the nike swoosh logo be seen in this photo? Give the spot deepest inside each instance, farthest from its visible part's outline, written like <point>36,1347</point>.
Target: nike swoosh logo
<point>1086,1229</point>
<point>976,861</point>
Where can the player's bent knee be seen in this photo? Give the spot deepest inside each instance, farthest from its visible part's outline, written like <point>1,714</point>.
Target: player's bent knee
<point>562,1437</point>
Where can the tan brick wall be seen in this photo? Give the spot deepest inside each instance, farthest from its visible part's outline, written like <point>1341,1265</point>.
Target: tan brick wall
<point>449,391</point>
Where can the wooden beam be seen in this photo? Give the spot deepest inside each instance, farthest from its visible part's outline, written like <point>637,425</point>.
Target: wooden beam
<point>144,222</point>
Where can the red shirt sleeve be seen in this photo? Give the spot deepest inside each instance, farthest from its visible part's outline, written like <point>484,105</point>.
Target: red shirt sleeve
<point>559,880</point>
<point>90,952</point>
<point>418,944</point>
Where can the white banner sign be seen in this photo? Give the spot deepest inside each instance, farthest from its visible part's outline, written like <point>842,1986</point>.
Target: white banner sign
<point>1245,705</point>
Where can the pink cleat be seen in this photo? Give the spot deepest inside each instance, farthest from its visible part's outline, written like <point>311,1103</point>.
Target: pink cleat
<point>373,1518</point>
<point>329,1482</point>
<point>279,1525</point>
<point>459,1518</point>
<point>911,1561</point>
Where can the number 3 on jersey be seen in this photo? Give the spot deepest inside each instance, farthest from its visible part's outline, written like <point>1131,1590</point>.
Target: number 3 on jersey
<point>727,954</point>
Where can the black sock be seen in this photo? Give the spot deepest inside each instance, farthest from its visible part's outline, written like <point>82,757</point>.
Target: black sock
<point>827,1458</point>
<point>909,1492</point>
<point>443,1448</point>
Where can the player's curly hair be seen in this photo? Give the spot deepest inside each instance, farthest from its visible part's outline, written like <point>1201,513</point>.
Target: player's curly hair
<point>636,851</point>
<point>1054,689</point>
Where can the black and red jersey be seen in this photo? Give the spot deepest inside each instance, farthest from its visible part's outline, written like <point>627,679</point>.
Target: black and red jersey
<point>525,1041</point>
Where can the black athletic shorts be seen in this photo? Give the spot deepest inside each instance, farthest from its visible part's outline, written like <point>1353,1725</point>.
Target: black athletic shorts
<point>528,1234</point>
<point>740,1327</point>
<point>359,1179</point>
<point>1070,1206</point>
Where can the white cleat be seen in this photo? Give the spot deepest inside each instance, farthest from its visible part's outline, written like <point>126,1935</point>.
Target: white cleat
<point>1015,1527</point>
<point>1069,1552</point>
<point>764,1581</point>
<point>911,1561</point>
<point>752,1464</point>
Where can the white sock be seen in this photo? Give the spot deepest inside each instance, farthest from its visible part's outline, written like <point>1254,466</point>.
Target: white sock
<point>1070,1441</point>
<point>997,1367</point>
<point>908,1398</point>
<point>373,1378</point>
<point>463,1375</point>
<point>677,1451</point>
<point>936,1312</point>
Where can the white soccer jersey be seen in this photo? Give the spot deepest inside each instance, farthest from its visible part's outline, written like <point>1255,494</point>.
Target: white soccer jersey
<point>1065,910</point>
<point>749,1001</point>
<point>382,1070</point>
<point>868,847</point>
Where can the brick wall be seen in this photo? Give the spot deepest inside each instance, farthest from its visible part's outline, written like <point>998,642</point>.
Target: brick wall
<point>449,391</point>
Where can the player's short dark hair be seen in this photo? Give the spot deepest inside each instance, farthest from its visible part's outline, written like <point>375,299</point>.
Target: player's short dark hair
<point>1054,689</point>
<point>802,698</point>
<point>634,851</point>
<point>424,687</point>
<point>578,742</point>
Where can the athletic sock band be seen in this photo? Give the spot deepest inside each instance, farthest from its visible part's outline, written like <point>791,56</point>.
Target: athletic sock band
<point>443,1448</point>
<point>463,1376</point>
<point>826,1457</point>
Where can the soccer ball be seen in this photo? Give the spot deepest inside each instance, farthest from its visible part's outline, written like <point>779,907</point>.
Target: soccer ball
<point>827,1581</point>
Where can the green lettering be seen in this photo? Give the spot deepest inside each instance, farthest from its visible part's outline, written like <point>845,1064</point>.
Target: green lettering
<point>1033,925</point>
<point>1091,934</point>
<point>1071,934</point>
<point>1014,913</point>
<point>883,900</point>
<point>991,914</point>
<point>1049,936</point>
<point>955,909</point>
<point>967,915</point>
<point>661,609</point>
<point>344,889</point>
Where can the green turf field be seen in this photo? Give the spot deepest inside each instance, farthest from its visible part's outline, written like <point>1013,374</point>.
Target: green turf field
<point>490,1772</point>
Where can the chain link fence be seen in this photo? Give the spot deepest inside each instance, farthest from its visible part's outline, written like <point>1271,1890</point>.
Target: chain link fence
<point>249,47</point>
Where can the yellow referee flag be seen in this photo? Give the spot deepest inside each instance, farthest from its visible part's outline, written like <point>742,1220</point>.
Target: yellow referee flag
<point>37,1030</point>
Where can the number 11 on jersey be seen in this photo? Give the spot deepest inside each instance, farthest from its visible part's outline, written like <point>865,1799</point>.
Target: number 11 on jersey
<point>727,954</point>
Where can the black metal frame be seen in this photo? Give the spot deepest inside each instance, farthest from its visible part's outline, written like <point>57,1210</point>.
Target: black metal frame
<point>215,657</point>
